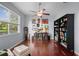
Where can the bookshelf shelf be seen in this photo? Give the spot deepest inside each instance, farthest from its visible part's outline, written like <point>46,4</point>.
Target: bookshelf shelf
<point>64,31</point>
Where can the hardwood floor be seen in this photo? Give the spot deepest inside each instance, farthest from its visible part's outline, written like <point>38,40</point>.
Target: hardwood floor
<point>47,48</point>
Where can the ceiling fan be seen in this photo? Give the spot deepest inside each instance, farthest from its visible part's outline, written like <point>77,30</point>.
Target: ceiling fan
<point>40,12</point>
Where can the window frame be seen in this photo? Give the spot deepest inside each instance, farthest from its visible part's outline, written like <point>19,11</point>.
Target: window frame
<point>18,24</point>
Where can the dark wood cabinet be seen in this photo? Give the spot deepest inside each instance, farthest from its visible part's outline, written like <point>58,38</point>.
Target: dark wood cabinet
<point>26,33</point>
<point>64,31</point>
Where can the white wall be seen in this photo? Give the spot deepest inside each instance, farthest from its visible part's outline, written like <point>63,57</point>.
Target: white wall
<point>10,40</point>
<point>51,26</point>
<point>29,24</point>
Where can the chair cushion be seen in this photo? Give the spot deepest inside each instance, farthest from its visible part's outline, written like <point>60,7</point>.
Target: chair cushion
<point>21,49</point>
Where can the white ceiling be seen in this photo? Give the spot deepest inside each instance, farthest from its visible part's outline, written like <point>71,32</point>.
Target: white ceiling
<point>27,7</point>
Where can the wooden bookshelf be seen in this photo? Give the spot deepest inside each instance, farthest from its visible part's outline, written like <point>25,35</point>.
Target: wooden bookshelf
<point>64,31</point>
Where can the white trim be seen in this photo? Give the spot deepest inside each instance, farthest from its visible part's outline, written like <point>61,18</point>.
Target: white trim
<point>8,28</point>
<point>8,34</point>
<point>76,53</point>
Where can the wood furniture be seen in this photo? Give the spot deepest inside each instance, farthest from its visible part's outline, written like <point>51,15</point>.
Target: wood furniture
<point>42,36</point>
<point>26,33</point>
<point>64,31</point>
<point>21,50</point>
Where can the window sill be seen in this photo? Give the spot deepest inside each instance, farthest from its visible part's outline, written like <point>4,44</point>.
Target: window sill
<point>9,34</point>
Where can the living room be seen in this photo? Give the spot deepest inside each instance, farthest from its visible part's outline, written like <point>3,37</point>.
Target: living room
<point>26,15</point>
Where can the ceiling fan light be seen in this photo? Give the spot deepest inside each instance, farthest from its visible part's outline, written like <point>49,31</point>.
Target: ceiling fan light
<point>39,14</point>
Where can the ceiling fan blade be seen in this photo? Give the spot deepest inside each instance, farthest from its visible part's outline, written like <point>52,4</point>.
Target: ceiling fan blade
<point>46,14</point>
<point>40,12</point>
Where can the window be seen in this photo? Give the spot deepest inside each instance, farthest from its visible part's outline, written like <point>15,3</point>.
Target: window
<point>9,21</point>
<point>3,28</point>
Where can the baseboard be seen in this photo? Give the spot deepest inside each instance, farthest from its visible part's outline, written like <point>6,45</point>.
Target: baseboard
<point>16,44</point>
<point>76,53</point>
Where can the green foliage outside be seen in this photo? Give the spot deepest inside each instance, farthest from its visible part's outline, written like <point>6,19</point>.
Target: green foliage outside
<point>3,27</point>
